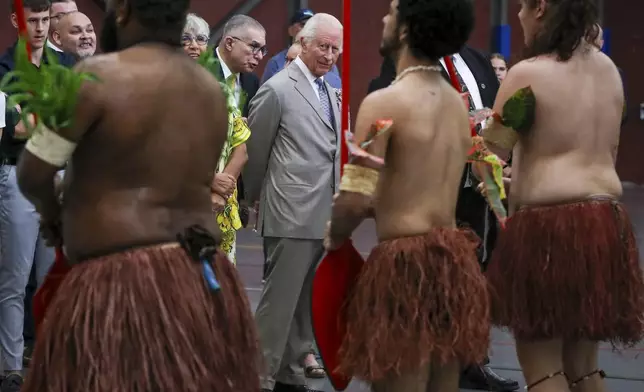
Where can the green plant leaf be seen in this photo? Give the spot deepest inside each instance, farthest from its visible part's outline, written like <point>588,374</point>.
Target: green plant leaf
<point>50,93</point>
<point>519,110</point>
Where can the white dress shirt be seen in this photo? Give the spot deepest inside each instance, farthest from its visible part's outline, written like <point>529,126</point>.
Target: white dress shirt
<point>53,46</point>
<point>468,79</point>
<point>227,72</point>
<point>309,75</point>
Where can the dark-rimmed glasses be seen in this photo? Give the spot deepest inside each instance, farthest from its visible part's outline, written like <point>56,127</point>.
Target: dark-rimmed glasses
<point>254,46</point>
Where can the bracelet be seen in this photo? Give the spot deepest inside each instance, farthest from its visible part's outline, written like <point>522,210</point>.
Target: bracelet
<point>359,179</point>
<point>499,135</point>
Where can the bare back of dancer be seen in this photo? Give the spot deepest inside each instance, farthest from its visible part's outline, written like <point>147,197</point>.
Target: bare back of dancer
<point>570,153</point>
<point>429,144</point>
<point>142,173</point>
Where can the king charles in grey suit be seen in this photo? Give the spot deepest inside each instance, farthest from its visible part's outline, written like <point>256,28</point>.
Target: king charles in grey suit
<point>293,171</point>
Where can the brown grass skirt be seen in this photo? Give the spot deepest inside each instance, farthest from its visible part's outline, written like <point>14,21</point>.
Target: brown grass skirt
<point>418,299</point>
<point>144,321</point>
<point>569,271</point>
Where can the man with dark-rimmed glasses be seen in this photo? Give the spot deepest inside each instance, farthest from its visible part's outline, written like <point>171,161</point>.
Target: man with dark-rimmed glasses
<point>59,8</point>
<point>242,47</point>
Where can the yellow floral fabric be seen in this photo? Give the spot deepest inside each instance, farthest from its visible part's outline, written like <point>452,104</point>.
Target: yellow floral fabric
<point>238,133</point>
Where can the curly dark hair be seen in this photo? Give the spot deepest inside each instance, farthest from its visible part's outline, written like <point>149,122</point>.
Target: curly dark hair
<point>436,28</point>
<point>166,17</point>
<point>566,24</point>
<point>32,5</point>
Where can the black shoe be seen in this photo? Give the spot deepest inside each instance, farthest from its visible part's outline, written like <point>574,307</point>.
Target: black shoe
<point>482,378</point>
<point>11,383</point>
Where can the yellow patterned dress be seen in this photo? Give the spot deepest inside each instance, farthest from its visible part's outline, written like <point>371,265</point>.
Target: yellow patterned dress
<point>238,133</point>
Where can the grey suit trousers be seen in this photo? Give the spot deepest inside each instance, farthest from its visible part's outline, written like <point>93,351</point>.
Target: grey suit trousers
<point>284,312</point>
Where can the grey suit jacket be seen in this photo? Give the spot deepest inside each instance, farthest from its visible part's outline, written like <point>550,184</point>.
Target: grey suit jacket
<point>293,166</point>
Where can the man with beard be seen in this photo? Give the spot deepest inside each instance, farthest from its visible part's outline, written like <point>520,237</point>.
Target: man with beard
<point>149,304</point>
<point>565,272</point>
<point>75,34</point>
<point>420,305</point>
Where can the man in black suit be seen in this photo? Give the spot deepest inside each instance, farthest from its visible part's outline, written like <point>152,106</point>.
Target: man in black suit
<point>476,76</point>
<point>242,47</point>
<point>387,75</point>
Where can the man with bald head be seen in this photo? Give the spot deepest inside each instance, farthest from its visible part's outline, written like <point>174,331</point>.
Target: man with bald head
<point>293,170</point>
<point>59,8</point>
<point>75,35</point>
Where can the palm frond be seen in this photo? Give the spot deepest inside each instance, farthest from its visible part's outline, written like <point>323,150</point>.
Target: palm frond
<point>50,93</point>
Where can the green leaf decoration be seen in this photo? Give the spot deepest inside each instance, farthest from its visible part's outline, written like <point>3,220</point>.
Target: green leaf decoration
<point>211,62</point>
<point>519,110</point>
<point>50,93</point>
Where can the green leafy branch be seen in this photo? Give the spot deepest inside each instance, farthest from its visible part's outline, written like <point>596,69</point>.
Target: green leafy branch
<point>519,110</point>
<point>50,93</point>
<point>211,62</point>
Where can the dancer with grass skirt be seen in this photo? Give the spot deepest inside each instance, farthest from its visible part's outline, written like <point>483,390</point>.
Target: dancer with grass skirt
<point>565,272</point>
<point>150,303</point>
<point>420,306</point>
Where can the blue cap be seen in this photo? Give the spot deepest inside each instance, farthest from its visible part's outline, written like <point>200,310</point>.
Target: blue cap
<point>302,15</point>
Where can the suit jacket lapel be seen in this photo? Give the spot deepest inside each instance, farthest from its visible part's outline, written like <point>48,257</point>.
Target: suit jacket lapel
<point>305,89</point>
<point>335,106</point>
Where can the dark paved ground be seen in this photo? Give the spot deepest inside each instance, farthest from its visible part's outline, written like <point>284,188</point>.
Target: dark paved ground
<point>625,369</point>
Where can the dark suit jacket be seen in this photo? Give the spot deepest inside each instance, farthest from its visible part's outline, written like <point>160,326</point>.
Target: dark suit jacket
<point>387,75</point>
<point>472,209</point>
<point>249,84</point>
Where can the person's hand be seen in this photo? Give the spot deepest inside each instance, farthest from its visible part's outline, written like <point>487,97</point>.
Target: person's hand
<point>21,130</point>
<point>58,187</point>
<point>224,184</point>
<point>330,243</point>
<point>52,232</point>
<point>218,202</point>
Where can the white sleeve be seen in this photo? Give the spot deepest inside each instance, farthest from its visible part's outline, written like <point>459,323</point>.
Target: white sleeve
<point>3,109</point>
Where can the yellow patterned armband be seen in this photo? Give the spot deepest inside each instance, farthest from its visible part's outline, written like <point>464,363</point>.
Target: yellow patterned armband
<point>359,179</point>
<point>500,135</point>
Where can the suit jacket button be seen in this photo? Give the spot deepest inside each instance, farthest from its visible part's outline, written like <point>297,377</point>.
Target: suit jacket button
<point>482,85</point>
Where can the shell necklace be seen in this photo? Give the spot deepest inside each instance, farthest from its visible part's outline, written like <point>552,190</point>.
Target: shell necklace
<point>417,68</point>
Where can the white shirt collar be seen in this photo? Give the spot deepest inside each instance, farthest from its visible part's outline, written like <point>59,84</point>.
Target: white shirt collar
<point>307,72</point>
<point>224,68</point>
<point>455,58</point>
<point>53,46</point>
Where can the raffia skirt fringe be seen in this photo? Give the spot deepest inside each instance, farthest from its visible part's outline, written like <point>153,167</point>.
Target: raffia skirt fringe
<point>418,299</point>
<point>145,321</point>
<point>569,271</point>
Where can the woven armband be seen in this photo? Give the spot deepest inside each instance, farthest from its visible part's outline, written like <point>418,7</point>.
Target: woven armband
<point>500,135</point>
<point>50,147</point>
<point>359,179</point>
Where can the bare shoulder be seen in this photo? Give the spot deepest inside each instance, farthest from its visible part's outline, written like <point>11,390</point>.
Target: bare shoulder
<point>98,65</point>
<point>382,103</point>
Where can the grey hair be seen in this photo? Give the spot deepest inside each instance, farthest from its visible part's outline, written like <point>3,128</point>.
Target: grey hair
<point>196,25</point>
<point>241,22</point>
<point>317,21</point>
